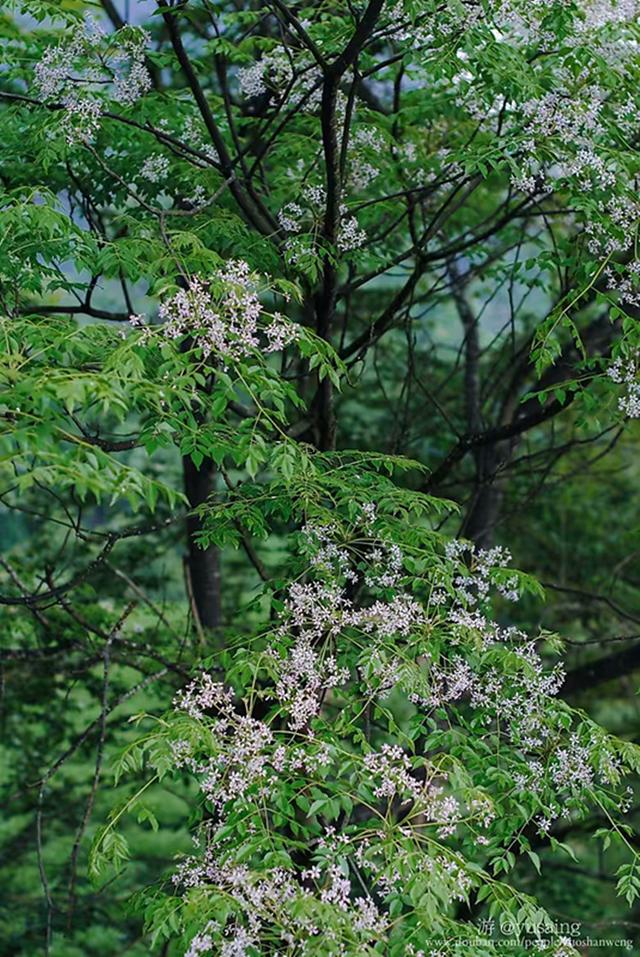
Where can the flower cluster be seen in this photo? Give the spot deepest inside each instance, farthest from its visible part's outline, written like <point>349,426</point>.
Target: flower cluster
<point>240,764</point>
<point>571,765</point>
<point>391,771</point>
<point>225,316</point>
<point>348,622</point>
<point>194,133</point>
<point>612,232</point>
<point>366,144</point>
<point>625,282</point>
<point>473,585</point>
<point>626,371</point>
<point>155,168</point>
<point>290,217</point>
<point>203,942</point>
<point>275,74</point>
<point>81,71</point>
<point>204,694</point>
<point>320,610</point>
<point>306,214</point>
<point>268,897</point>
<point>350,235</point>
<point>519,700</point>
<point>304,677</point>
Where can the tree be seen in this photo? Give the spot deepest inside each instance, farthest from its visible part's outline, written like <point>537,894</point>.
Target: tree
<point>282,279</point>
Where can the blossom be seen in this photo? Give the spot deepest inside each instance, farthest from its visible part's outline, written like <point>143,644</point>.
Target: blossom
<point>337,890</point>
<point>274,71</point>
<point>238,943</point>
<point>350,235</point>
<point>195,134</point>
<point>204,694</point>
<point>390,767</point>
<point>303,677</point>
<point>243,757</point>
<point>399,616</point>
<point>155,168</point>
<point>203,942</point>
<point>80,71</point>
<point>133,81</point>
<point>571,766</point>
<point>225,315</point>
<point>626,371</point>
<point>293,217</point>
<point>290,217</point>
<point>353,581</point>
<point>474,584</point>
<point>368,918</point>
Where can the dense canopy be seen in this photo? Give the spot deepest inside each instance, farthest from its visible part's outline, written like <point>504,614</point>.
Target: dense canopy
<point>319,376</point>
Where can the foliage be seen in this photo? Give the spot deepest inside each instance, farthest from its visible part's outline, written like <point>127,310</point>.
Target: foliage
<point>235,241</point>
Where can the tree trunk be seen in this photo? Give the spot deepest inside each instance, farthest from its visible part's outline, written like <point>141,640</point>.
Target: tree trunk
<point>203,564</point>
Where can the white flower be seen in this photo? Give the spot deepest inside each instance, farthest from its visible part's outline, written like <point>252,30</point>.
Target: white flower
<point>228,324</point>
<point>155,168</point>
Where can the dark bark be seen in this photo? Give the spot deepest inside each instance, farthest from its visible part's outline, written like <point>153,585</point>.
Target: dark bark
<point>327,297</point>
<point>484,510</point>
<point>598,672</point>
<point>203,564</point>
<point>482,517</point>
